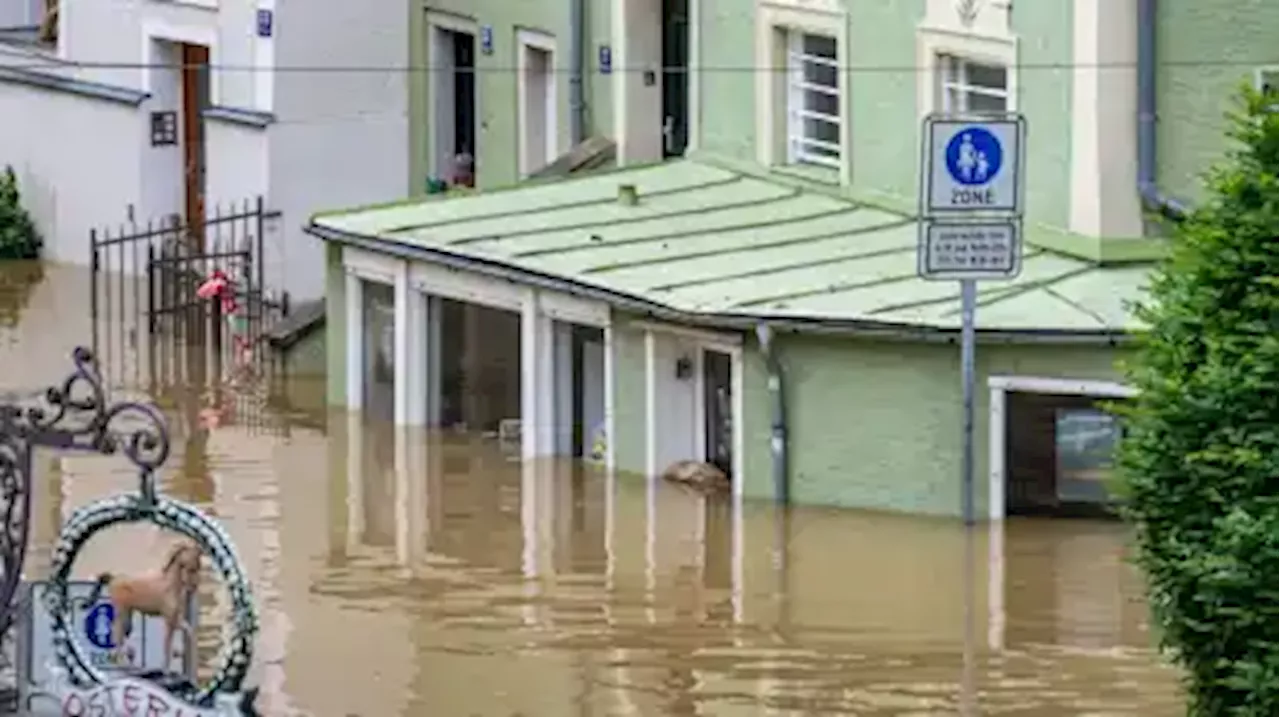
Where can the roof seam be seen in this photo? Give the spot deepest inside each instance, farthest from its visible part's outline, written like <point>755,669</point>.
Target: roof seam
<point>563,205</point>
<point>773,269</point>
<point>666,236</point>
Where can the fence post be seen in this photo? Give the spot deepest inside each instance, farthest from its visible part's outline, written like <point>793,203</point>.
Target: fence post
<point>93,286</point>
<point>151,316</point>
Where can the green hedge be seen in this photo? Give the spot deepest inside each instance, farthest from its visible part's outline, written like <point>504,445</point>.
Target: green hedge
<point>18,236</point>
<point>1199,459</point>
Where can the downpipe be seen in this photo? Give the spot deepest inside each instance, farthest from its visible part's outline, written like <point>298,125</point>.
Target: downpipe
<point>577,62</point>
<point>1148,190</point>
<point>777,415</point>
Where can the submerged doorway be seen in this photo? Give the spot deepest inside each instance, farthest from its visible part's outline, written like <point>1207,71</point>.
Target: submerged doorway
<point>717,398</point>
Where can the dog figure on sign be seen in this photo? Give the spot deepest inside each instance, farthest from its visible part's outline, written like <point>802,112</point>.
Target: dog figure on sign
<point>163,593</point>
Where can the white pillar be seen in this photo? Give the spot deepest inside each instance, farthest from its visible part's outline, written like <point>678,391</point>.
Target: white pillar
<point>410,351</point>
<point>537,380</point>
<point>1104,111</point>
<point>355,489</point>
<point>650,404</point>
<point>434,309</point>
<point>562,359</point>
<point>610,461</point>
<point>355,342</point>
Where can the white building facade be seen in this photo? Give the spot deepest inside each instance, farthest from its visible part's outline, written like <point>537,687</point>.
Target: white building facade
<point>138,110</point>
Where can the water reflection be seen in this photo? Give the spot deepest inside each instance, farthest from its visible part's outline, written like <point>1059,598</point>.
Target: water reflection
<point>426,573</point>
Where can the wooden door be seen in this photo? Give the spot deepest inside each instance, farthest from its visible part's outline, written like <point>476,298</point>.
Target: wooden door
<point>195,97</point>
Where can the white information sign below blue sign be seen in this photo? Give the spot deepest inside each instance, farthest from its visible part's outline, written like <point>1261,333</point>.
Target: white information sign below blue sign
<point>969,250</point>
<point>973,165</point>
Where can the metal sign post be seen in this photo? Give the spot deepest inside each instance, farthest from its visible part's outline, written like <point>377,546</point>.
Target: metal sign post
<point>971,201</point>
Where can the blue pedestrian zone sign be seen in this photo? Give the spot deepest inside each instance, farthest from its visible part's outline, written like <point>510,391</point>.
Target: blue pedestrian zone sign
<point>973,165</point>
<point>97,626</point>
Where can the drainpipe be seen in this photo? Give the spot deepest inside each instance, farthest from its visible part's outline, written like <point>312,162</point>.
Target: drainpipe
<point>777,415</point>
<point>577,40</point>
<point>1151,195</point>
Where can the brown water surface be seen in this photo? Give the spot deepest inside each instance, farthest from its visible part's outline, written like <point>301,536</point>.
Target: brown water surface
<point>418,574</point>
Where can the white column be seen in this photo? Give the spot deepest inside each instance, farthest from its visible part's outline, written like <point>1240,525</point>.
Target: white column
<point>996,447</point>
<point>411,495</point>
<point>650,404</point>
<point>562,358</point>
<point>411,351</point>
<point>537,380</point>
<point>355,490</point>
<point>434,332</point>
<point>610,461</point>
<point>1104,110</point>
<point>355,342</point>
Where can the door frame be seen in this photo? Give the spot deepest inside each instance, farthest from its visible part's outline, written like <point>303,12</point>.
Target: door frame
<point>437,23</point>
<point>998,387</point>
<point>730,344</point>
<point>623,104</point>
<point>535,40</point>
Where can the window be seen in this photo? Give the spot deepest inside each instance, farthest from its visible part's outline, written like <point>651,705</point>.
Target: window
<point>29,21</point>
<point>1085,439</point>
<point>967,87</point>
<point>813,100</point>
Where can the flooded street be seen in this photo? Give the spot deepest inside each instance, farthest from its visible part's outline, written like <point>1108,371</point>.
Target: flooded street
<point>419,574</point>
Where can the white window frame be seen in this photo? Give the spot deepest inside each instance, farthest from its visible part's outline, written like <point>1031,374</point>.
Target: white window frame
<point>933,42</point>
<point>776,20</point>
<point>798,88</point>
<point>436,83</point>
<point>999,386</point>
<point>952,65</point>
<point>529,39</point>
<point>1260,77</point>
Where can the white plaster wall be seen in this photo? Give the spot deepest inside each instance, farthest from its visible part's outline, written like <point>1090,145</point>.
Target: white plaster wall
<point>675,403</point>
<point>637,40</point>
<point>341,138</point>
<point>117,32</point>
<point>161,168</point>
<point>236,160</point>
<point>71,179</point>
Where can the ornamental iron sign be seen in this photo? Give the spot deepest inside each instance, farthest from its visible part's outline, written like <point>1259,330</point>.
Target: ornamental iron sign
<point>77,416</point>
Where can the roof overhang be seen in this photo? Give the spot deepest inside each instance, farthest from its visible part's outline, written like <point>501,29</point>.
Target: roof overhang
<point>735,321</point>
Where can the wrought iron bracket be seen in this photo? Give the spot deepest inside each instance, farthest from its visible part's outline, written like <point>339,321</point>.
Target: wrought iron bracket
<point>74,415</point>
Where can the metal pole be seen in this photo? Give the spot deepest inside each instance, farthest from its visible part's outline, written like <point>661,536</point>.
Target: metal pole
<point>968,305</point>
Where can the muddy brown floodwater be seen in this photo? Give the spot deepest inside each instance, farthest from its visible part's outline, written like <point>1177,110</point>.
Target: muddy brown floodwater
<point>429,575</point>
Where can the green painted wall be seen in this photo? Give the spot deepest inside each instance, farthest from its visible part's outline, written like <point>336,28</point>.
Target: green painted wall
<point>1204,50</point>
<point>628,398</point>
<point>876,425</point>
<point>335,324</point>
<point>883,98</point>
<point>497,143</point>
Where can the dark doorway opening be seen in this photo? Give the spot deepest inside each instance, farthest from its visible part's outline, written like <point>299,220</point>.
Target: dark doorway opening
<point>675,77</point>
<point>1058,455</point>
<point>717,381</point>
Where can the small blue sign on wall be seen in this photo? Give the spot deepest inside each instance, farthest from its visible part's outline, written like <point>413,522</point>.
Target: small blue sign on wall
<point>606,60</point>
<point>486,39</point>
<point>266,19</point>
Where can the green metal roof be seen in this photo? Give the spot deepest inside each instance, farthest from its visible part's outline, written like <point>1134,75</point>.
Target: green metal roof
<point>707,240</point>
